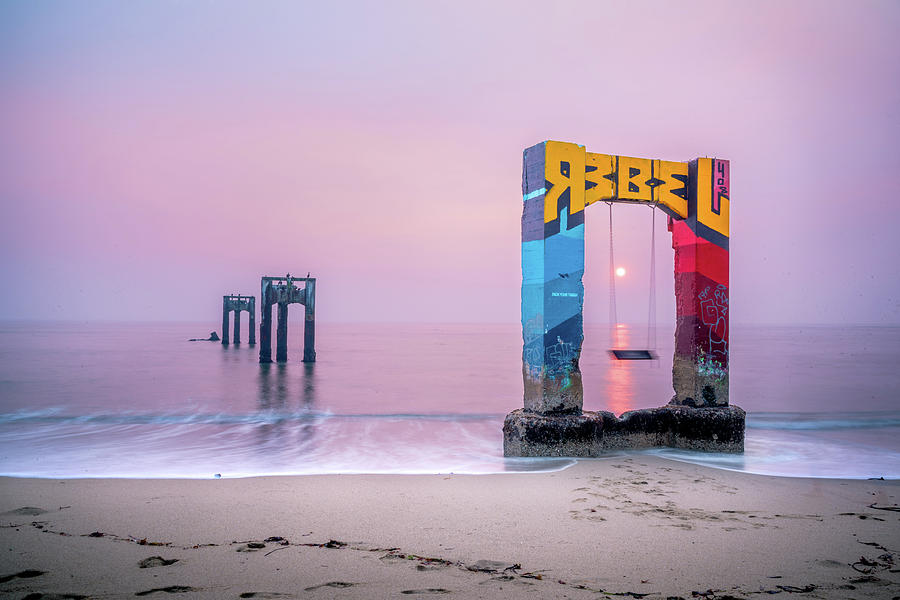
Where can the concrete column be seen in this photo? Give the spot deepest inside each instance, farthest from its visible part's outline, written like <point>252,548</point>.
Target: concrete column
<point>225,312</point>
<point>237,326</point>
<point>252,333</point>
<point>309,323</point>
<point>281,333</point>
<point>552,270</point>
<point>265,332</point>
<point>700,365</point>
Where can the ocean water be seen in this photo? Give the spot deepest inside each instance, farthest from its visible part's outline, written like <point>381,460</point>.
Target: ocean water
<point>139,400</point>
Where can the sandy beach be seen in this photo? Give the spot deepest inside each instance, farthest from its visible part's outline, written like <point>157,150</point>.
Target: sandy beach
<point>633,527</point>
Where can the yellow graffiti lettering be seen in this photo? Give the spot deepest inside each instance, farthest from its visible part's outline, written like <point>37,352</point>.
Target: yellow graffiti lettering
<point>599,176</point>
<point>672,192</point>
<point>705,213</point>
<point>579,178</point>
<point>564,170</point>
<point>633,177</point>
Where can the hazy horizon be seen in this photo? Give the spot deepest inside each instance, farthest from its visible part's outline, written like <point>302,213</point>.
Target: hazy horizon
<point>159,155</point>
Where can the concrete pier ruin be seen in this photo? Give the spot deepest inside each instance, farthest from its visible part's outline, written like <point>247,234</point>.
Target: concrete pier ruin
<point>559,180</point>
<point>282,291</point>
<point>237,304</point>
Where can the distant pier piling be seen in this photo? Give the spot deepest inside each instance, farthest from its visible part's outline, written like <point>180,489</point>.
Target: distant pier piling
<point>281,333</point>
<point>282,291</point>
<point>236,304</point>
<point>309,323</point>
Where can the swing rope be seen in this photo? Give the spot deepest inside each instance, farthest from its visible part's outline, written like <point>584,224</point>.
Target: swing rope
<point>651,304</point>
<point>613,315</point>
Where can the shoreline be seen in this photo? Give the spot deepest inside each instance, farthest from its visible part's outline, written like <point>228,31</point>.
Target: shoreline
<point>627,526</point>
<point>687,457</point>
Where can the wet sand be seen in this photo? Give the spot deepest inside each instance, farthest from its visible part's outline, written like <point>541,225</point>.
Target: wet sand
<point>627,527</point>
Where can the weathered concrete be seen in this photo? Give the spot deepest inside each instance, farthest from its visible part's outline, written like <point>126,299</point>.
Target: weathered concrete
<point>265,332</point>
<point>237,304</point>
<point>533,434</point>
<point>282,291</point>
<point>593,433</point>
<point>309,322</point>
<point>281,333</point>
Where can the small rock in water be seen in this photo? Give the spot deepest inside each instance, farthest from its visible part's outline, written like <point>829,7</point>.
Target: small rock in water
<point>213,337</point>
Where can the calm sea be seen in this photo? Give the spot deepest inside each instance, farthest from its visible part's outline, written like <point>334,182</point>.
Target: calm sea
<point>139,400</point>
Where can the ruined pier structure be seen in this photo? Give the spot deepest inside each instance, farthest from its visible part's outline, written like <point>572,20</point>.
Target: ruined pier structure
<point>236,304</point>
<point>282,291</point>
<point>559,181</point>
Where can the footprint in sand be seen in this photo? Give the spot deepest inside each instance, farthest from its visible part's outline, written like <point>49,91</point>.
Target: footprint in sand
<point>41,596</point>
<point>172,589</point>
<point>493,566</point>
<point>26,574</point>
<point>330,584</point>
<point>31,511</point>
<point>156,561</point>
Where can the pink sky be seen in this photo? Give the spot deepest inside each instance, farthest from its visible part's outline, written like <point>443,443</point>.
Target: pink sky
<point>157,155</point>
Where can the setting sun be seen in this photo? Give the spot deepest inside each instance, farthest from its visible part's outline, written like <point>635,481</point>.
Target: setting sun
<point>620,272</point>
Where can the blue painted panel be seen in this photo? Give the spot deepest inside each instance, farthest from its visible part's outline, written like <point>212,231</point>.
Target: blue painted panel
<point>563,299</point>
<point>562,347</point>
<point>564,254</point>
<point>533,261</point>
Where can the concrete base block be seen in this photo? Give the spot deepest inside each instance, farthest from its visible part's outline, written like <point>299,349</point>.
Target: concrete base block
<point>718,429</point>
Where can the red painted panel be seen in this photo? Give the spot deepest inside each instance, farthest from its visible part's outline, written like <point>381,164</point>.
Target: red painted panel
<point>712,261</point>
<point>701,289</point>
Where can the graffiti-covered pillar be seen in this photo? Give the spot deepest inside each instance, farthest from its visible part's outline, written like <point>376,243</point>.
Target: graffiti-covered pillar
<point>700,366</point>
<point>553,187</point>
